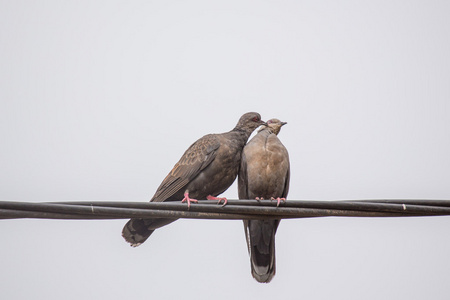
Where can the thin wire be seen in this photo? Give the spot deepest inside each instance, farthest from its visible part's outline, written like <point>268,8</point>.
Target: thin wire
<point>235,209</point>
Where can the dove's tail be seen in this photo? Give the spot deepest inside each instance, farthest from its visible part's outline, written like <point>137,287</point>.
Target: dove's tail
<point>260,236</point>
<point>137,231</point>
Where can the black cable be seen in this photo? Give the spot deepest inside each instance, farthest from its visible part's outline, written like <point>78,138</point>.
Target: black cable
<point>235,209</point>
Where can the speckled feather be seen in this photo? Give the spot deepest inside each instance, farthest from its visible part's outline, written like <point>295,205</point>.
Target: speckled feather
<point>196,158</point>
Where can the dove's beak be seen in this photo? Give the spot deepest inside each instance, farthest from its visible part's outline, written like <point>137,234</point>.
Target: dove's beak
<point>283,123</point>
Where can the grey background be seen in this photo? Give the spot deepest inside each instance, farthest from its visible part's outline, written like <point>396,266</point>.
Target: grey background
<point>99,99</point>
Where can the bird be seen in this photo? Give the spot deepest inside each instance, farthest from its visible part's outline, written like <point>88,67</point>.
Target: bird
<point>205,170</point>
<point>264,174</point>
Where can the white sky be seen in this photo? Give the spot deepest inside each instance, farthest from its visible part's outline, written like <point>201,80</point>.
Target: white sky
<point>99,99</point>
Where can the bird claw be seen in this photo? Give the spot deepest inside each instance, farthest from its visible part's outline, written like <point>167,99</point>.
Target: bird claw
<point>188,200</point>
<point>278,200</point>
<point>218,198</point>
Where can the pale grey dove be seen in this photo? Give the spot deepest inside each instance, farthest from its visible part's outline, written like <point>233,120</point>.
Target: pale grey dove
<point>264,173</point>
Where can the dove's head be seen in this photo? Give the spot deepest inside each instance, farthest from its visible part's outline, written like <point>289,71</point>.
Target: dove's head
<point>249,122</point>
<point>274,125</point>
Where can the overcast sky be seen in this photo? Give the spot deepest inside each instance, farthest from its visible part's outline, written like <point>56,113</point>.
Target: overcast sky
<point>99,99</point>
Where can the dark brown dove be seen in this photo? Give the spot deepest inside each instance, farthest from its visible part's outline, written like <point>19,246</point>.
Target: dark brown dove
<point>264,174</point>
<point>207,168</point>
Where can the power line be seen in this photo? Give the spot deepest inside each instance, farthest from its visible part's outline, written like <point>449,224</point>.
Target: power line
<point>235,209</point>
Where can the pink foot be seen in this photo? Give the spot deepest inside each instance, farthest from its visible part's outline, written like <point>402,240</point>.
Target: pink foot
<point>218,198</point>
<point>257,198</point>
<point>278,200</point>
<point>188,200</point>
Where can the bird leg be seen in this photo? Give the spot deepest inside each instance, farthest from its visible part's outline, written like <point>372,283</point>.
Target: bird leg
<point>278,200</point>
<point>188,200</point>
<point>258,199</point>
<point>218,198</point>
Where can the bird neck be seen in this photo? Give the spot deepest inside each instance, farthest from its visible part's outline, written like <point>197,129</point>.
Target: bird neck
<point>240,135</point>
<point>267,130</point>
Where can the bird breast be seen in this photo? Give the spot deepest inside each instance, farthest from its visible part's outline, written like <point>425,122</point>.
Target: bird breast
<point>267,166</point>
<point>219,175</point>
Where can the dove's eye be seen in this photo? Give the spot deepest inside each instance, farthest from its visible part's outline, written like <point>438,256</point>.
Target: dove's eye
<point>255,119</point>
<point>269,122</point>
